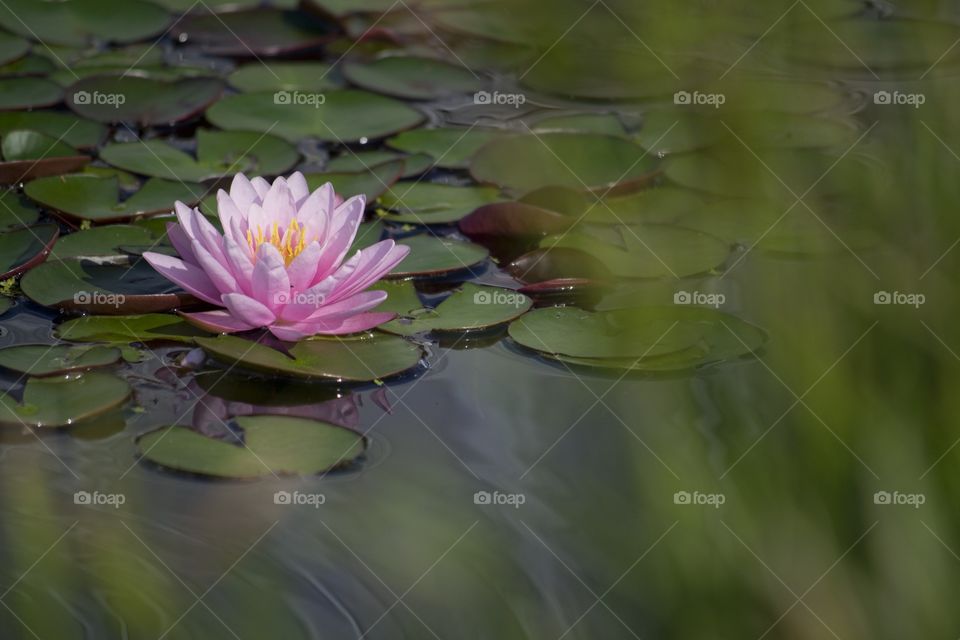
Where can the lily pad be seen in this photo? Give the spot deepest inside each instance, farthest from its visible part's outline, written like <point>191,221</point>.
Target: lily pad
<point>77,23</point>
<point>110,240</point>
<point>68,128</point>
<point>372,184</point>
<point>28,93</point>
<point>84,285</point>
<point>450,147</point>
<point>272,445</point>
<point>5,305</point>
<point>413,165</point>
<point>32,145</point>
<point>219,153</point>
<point>470,308</point>
<point>432,257</point>
<point>23,249</point>
<point>647,251</point>
<point>86,197</point>
<point>602,123</point>
<point>12,47</point>
<point>16,211</point>
<point>413,78</point>
<point>283,76</point>
<point>429,203</point>
<point>47,360</point>
<point>336,116</point>
<point>141,100</point>
<point>338,359</point>
<point>251,32</point>
<point>64,400</point>
<point>149,327</point>
<point>576,160</point>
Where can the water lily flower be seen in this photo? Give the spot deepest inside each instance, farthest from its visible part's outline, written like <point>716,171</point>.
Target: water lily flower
<point>280,262</point>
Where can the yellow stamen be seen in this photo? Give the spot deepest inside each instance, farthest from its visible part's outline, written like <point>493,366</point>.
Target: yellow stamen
<point>290,242</point>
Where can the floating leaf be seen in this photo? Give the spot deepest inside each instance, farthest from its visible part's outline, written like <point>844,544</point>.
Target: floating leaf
<point>350,161</point>
<point>371,184</point>
<point>28,93</point>
<point>16,211</point>
<point>31,145</point>
<point>557,263</point>
<point>12,48</point>
<point>23,249</point>
<point>219,153</point>
<point>428,203</point>
<point>65,400</point>
<point>337,116</point>
<point>67,128</point>
<point>46,360</point>
<point>341,359</point>
<point>283,76</point>
<point>5,304</point>
<point>450,147</point>
<point>272,445</point>
<point>412,78</point>
<point>76,23</point>
<point>432,257</point>
<point>602,123</point>
<point>144,101</point>
<point>574,160</point>
<point>469,308</point>
<point>150,327</point>
<point>251,32</point>
<point>86,197</point>
<point>110,240</point>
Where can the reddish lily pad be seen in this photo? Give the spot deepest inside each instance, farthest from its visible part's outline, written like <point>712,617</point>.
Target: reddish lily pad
<point>23,249</point>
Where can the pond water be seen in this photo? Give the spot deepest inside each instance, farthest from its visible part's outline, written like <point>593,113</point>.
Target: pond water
<point>803,487</point>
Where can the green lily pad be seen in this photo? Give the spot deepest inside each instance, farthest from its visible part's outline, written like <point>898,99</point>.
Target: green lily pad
<point>219,153</point>
<point>28,93</point>
<point>86,197</point>
<point>602,123</point>
<point>141,100</point>
<point>372,184</point>
<point>64,400</point>
<point>109,240</point>
<point>412,78</point>
<point>343,116</point>
<point>251,32</point>
<point>368,234</point>
<point>12,48</point>
<point>84,285</point>
<point>469,308</point>
<point>47,360</point>
<point>646,251</point>
<point>413,165</point>
<point>77,23</point>
<point>31,64</point>
<point>574,160</point>
<point>339,359</point>
<point>651,338</point>
<point>283,76</point>
<point>149,327</point>
<point>31,145</point>
<point>450,147</point>
<point>428,203</point>
<point>68,128</point>
<point>5,305</point>
<point>23,249</point>
<point>272,445</point>
<point>658,205</point>
<point>432,257</point>
<point>16,211</point>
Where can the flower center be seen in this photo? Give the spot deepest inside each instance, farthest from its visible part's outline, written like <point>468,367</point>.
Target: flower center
<point>290,241</point>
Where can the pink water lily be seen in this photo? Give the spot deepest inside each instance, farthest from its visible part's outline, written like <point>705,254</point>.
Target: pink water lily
<point>279,263</point>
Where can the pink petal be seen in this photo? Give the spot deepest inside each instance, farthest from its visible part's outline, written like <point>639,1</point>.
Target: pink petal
<point>216,321</point>
<point>261,186</point>
<point>248,310</point>
<point>303,269</point>
<point>298,187</point>
<point>351,306</point>
<point>345,213</point>
<point>227,210</point>
<point>314,212</point>
<point>240,263</point>
<point>218,272</point>
<point>242,192</point>
<point>279,203</point>
<point>337,246</point>
<point>373,263</point>
<point>181,242</point>
<point>189,277</point>
<point>270,283</point>
<point>353,324</point>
